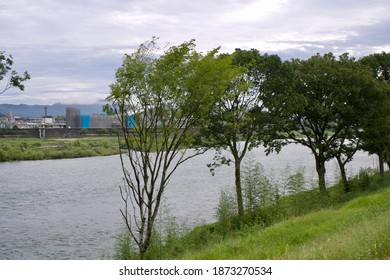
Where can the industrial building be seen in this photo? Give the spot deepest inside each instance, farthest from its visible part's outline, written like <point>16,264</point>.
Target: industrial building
<point>75,120</point>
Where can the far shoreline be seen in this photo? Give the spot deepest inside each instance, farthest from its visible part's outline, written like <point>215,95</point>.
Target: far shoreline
<point>20,149</point>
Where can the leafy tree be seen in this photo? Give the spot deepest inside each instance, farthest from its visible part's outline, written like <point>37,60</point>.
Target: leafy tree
<point>379,64</point>
<point>376,122</point>
<point>167,95</point>
<point>236,121</point>
<point>317,103</point>
<point>14,80</point>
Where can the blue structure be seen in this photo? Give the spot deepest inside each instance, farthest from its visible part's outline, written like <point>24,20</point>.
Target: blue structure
<point>85,121</point>
<point>130,122</point>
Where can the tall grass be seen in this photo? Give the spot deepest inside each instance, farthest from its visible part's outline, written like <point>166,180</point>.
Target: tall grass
<point>360,229</point>
<point>167,233</point>
<point>306,225</point>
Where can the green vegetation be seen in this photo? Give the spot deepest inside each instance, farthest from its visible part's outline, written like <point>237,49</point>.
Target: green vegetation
<point>167,95</point>
<point>333,106</point>
<point>358,230</point>
<point>236,121</point>
<point>353,225</point>
<point>318,98</point>
<point>39,149</point>
<point>13,80</point>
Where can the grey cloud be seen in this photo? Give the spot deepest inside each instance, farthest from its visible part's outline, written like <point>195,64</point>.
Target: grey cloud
<point>375,35</point>
<point>74,47</point>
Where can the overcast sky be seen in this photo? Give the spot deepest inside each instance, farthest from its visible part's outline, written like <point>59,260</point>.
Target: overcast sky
<point>72,48</point>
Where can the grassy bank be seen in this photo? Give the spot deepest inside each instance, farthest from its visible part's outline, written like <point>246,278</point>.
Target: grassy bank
<point>358,230</point>
<point>310,225</point>
<point>39,149</point>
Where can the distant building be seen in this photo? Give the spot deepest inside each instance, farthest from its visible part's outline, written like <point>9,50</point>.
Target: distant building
<point>103,121</point>
<point>75,120</point>
<point>46,121</point>
<point>85,121</point>
<point>73,117</point>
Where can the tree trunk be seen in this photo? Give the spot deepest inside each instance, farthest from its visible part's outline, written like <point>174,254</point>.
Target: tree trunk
<point>237,173</point>
<point>142,254</point>
<point>320,167</point>
<point>343,173</point>
<point>381,164</point>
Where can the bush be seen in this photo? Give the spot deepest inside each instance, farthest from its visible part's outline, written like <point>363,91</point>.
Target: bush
<point>103,131</point>
<point>227,206</point>
<point>166,239</point>
<point>36,145</point>
<point>296,182</point>
<point>3,155</point>
<point>125,248</point>
<point>363,180</point>
<point>258,192</point>
<point>258,189</point>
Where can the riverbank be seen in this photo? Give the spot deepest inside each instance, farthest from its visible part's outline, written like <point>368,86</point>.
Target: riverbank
<point>308,225</point>
<point>16,149</point>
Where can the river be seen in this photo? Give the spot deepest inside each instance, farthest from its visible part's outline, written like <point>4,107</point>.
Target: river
<point>69,208</point>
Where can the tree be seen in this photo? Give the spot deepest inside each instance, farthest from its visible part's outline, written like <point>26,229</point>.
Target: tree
<point>376,124</point>
<point>317,103</point>
<point>166,97</point>
<point>375,132</point>
<point>14,80</point>
<point>345,148</point>
<point>237,120</point>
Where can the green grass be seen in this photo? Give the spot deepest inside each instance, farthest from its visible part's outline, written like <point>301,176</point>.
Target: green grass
<point>309,225</point>
<point>358,230</point>
<point>39,149</point>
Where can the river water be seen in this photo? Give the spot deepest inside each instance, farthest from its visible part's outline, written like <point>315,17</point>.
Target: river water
<point>69,208</point>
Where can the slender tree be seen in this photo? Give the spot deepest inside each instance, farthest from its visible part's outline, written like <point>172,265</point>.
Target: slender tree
<point>159,99</point>
<point>237,120</point>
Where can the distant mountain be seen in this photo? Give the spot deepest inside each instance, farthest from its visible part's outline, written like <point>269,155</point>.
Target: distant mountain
<point>58,109</point>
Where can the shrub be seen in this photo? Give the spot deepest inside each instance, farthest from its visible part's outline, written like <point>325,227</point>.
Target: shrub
<point>227,206</point>
<point>36,145</point>
<point>363,180</point>
<point>259,191</point>
<point>125,248</point>
<point>166,239</point>
<point>103,131</point>
<point>295,183</point>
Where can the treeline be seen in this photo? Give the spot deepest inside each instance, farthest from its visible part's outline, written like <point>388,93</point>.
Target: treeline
<point>334,106</point>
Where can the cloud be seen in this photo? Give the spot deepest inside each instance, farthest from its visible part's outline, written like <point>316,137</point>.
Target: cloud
<point>72,48</point>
